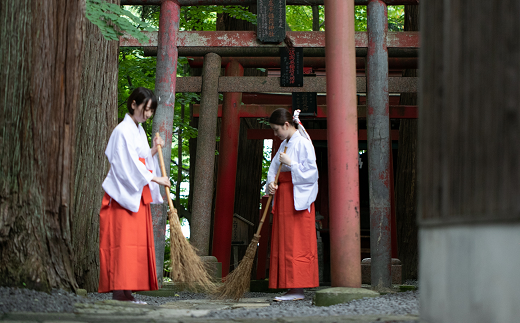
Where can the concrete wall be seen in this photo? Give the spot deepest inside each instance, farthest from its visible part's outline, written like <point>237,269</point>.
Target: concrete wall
<point>470,273</point>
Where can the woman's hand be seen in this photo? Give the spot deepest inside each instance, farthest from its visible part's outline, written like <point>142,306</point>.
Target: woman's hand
<point>164,181</point>
<point>157,141</point>
<point>284,159</point>
<point>272,187</point>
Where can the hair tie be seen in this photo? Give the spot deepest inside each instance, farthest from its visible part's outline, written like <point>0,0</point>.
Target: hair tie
<point>301,128</point>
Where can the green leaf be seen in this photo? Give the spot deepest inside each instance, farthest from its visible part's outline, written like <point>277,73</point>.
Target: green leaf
<point>113,21</point>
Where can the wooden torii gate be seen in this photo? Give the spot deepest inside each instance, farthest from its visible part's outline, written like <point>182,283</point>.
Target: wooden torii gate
<point>341,85</point>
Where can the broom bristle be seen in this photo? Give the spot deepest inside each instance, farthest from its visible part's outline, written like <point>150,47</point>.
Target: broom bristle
<point>187,266</point>
<point>237,282</point>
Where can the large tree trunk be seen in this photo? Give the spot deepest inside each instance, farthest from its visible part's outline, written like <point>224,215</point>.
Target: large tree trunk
<point>96,118</point>
<point>406,178</point>
<point>41,58</point>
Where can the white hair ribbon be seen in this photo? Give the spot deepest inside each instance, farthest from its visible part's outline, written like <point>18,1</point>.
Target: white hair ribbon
<point>301,128</point>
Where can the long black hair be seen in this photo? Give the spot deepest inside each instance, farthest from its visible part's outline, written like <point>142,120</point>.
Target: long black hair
<point>141,95</point>
<point>281,116</point>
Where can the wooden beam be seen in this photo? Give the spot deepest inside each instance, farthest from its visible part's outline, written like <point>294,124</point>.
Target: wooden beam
<point>315,62</point>
<point>265,110</point>
<point>315,134</point>
<point>306,39</point>
<point>272,84</point>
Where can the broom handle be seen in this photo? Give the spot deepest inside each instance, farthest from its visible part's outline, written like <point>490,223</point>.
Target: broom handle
<point>269,199</point>
<point>163,171</point>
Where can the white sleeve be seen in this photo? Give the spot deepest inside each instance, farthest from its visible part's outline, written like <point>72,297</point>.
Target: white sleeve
<point>128,170</point>
<point>304,170</point>
<point>156,189</point>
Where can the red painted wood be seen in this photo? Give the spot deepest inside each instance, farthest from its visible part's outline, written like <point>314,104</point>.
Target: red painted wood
<point>309,39</point>
<point>227,170</point>
<point>344,217</point>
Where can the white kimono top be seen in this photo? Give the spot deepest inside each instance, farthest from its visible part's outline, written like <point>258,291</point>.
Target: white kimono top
<point>304,171</point>
<point>128,175</point>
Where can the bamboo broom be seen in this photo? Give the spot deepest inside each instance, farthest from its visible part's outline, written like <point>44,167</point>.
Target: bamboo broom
<point>187,267</point>
<point>237,282</point>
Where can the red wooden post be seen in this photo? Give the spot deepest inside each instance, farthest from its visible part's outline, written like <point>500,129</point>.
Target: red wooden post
<point>227,170</point>
<point>165,81</point>
<point>342,135</point>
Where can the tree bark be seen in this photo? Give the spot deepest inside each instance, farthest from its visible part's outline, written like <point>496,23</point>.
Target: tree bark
<point>41,58</point>
<point>225,22</point>
<point>95,120</point>
<point>315,18</point>
<point>406,175</point>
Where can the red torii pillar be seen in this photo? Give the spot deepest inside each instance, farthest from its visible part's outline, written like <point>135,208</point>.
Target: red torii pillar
<point>227,170</point>
<point>342,135</point>
<point>165,81</point>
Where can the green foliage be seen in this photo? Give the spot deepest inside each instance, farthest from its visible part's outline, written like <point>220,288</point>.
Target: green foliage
<point>299,18</point>
<point>395,18</point>
<point>135,70</point>
<point>266,162</point>
<point>114,20</point>
<point>263,121</point>
<point>360,12</point>
<point>205,17</point>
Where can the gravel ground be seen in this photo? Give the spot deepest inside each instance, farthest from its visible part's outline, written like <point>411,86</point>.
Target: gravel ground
<point>25,300</point>
<point>398,304</point>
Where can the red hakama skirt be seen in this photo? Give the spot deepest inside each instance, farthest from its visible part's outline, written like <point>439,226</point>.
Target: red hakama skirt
<point>126,246</point>
<point>294,250</point>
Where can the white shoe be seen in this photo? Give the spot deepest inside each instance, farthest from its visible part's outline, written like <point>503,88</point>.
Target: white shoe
<point>139,302</point>
<point>293,297</point>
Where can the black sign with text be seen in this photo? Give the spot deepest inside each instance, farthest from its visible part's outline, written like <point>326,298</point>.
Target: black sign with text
<point>270,21</point>
<point>306,102</point>
<point>291,66</point>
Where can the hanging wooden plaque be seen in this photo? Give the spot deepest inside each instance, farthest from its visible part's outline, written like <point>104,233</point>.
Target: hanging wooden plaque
<point>270,21</point>
<point>306,102</point>
<point>291,66</point>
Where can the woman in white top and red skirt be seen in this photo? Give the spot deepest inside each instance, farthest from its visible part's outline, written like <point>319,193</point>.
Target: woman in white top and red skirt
<point>294,255</point>
<point>126,245</point>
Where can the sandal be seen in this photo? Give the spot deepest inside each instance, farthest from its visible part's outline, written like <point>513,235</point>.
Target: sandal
<point>288,298</point>
<point>139,302</point>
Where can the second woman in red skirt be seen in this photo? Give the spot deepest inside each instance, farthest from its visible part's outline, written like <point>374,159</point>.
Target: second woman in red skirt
<point>294,254</point>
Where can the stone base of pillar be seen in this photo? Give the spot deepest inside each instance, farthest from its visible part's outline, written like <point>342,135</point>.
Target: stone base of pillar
<point>214,267</point>
<point>339,295</point>
<point>396,271</point>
